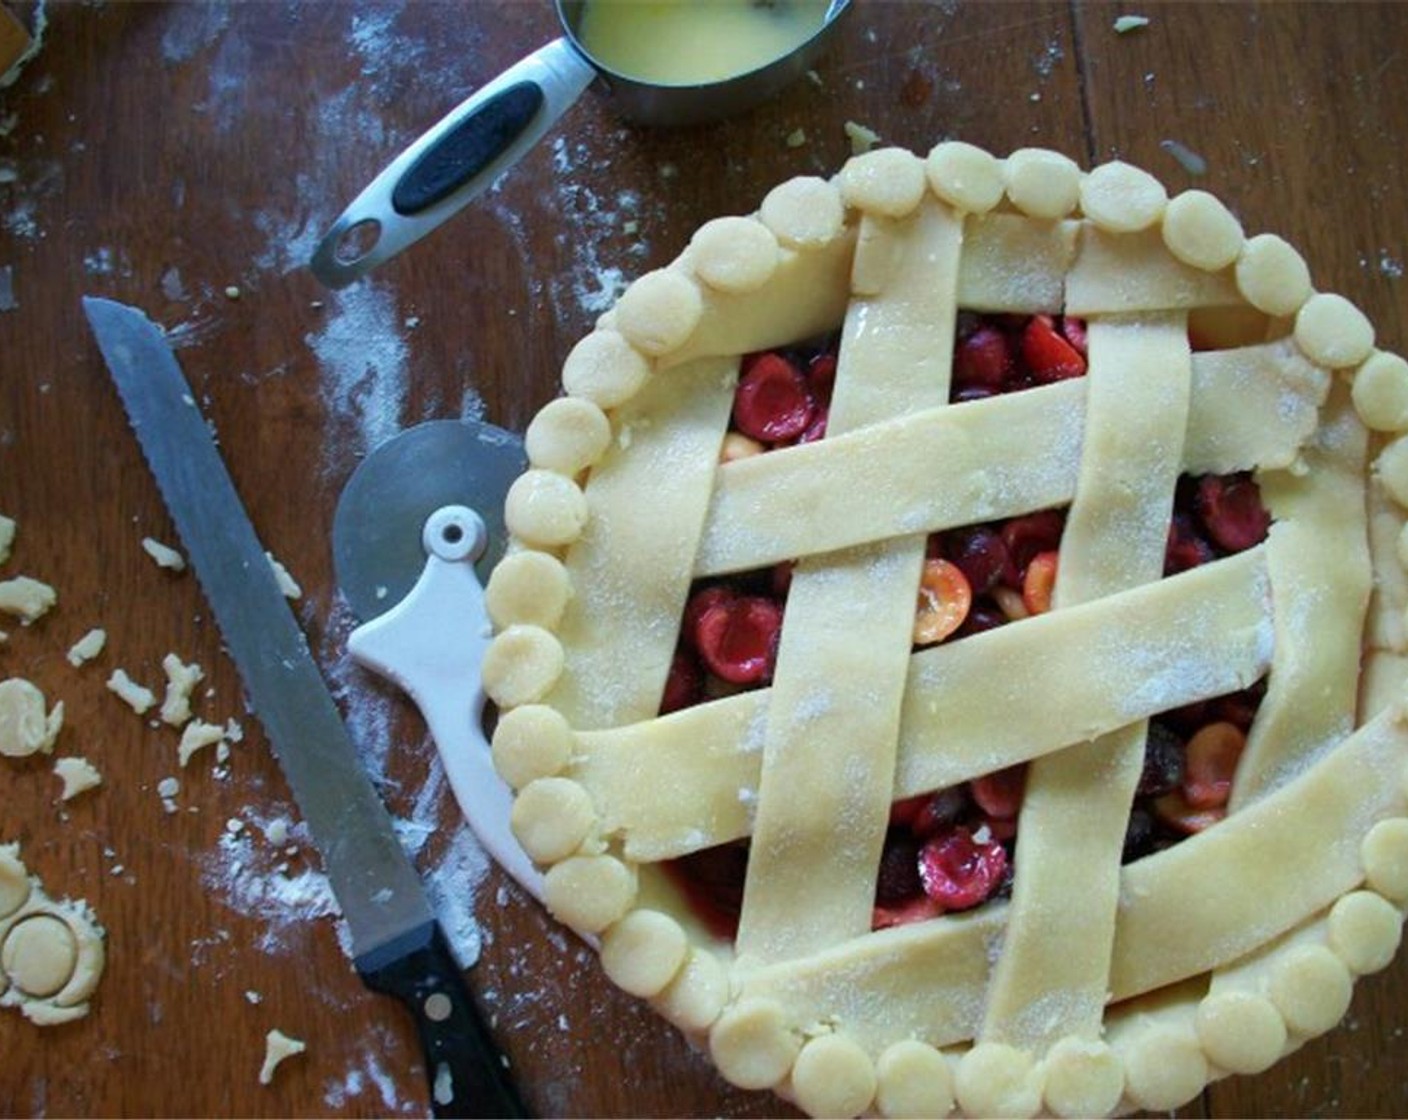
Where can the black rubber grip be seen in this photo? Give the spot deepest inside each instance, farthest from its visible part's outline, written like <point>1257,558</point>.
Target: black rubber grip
<point>467,149</point>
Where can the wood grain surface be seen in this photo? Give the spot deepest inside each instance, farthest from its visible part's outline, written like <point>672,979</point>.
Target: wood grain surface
<point>162,155</point>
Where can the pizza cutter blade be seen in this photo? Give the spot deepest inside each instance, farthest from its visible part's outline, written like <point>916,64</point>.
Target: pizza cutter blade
<point>410,525</point>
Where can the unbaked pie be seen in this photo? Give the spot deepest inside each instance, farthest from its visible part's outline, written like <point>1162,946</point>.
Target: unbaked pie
<point>953,648</point>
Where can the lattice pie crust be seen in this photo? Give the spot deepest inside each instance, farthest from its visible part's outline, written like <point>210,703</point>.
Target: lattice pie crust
<point>1096,987</point>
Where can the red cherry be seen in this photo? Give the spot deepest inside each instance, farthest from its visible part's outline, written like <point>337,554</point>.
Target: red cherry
<point>738,639</point>
<point>773,403</point>
<point>1029,535</point>
<point>981,554</point>
<point>1213,754</point>
<point>999,794</point>
<point>959,871</point>
<point>1231,510</point>
<point>684,687</point>
<point>821,378</point>
<point>1074,330</point>
<point>817,428</point>
<point>983,360</point>
<point>919,909</point>
<point>1048,356</point>
<point>939,812</point>
<point>698,604</point>
<point>1185,548</point>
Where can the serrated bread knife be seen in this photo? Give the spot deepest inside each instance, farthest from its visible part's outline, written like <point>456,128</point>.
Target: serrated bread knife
<point>399,948</point>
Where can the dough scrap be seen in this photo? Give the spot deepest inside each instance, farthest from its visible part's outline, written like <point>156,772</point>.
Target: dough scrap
<point>78,775</point>
<point>164,555</point>
<point>287,584</point>
<point>181,680</point>
<point>137,697</point>
<point>27,599</point>
<point>195,736</point>
<point>87,647</point>
<point>25,728</point>
<point>51,953</point>
<point>277,1047</point>
<point>7,537</point>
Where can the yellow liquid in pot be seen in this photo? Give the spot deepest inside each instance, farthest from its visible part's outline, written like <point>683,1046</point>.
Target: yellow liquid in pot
<point>690,42</point>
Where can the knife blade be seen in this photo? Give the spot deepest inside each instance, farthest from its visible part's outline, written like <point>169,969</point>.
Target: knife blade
<point>399,948</point>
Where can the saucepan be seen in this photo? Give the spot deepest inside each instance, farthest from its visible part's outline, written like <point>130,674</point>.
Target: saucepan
<point>468,149</point>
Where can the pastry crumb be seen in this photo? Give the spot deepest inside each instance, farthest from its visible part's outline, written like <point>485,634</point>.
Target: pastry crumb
<point>25,727</point>
<point>797,138</point>
<point>78,775</point>
<point>87,647</point>
<point>287,584</point>
<point>862,138</point>
<point>196,736</point>
<point>277,1047</point>
<point>1125,24</point>
<point>7,537</point>
<point>164,555</point>
<point>232,291</point>
<point>26,599</point>
<point>181,680</point>
<point>137,697</point>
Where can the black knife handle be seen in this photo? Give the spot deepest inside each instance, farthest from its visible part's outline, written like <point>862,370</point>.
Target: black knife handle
<point>467,1074</point>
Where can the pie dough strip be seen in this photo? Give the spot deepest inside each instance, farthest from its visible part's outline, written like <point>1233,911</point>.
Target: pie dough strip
<point>1280,861</point>
<point>1134,272</point>
<point>1016,265</point>
<point>617,652</point>
<point>999,457</point>
<point>834,709</point>
<point>687,780</point>
<point>1320,568</point>
<point>1074,816</point>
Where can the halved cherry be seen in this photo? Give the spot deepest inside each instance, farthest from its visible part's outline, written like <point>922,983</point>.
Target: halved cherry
<point>772,403</point>
<point>1174,810</point>
<point>1075,333</point>
<point>1049,357</point>
<point>919,909</point>
<point>1212,756</point>
<point>699,603</point>
<point>1030,534</point>
<point>944,600</point>
<point>1040,582</point>
<point>982,555</point>
<point>959,871</point>
<point>999,794</point>
<point>1231,510</point>
<point>780,578</point>
<point>821,377</point>
<point>817,428</point>
<point>1186,548</point>
<point>939,812</point>
<point>737,639</point>
<point>983,360</point>
<point>684,687</point>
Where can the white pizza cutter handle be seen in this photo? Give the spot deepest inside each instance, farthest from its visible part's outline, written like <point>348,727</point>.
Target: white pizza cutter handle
<point>431,645</point>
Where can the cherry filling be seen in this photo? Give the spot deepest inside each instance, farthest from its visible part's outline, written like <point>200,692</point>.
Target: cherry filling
<point>953,850</point>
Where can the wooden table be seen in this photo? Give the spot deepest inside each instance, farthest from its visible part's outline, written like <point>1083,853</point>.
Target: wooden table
<point>162,155</point>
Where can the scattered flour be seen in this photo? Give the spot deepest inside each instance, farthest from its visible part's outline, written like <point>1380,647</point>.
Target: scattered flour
<point>363,358</point>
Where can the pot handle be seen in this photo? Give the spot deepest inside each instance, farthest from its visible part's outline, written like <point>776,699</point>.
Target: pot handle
<point>455,161</point>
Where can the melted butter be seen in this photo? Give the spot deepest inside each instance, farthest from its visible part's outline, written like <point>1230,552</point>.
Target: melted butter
<point>690,42</point>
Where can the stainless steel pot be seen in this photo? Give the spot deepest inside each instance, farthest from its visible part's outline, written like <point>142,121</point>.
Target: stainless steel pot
<point>468,149</point>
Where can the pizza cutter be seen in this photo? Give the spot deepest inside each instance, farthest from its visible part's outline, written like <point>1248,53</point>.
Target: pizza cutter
<point>412,522</point>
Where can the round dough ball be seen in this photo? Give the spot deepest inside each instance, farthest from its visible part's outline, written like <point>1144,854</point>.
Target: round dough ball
<point>544,509</point>
<point>1121,198</point>
<point>995,1079</point>
<point>1312,988</point>
<point>527,587</point>
<point>804,213</point>
<point>1163,1068</point>
<point>1200,231</point>
<point>1272,276</point>
<point>833,1076</point>
<point>521,665</point>
<point>889,182</point>
<point>913,1081</point>
<point>1042,184</point>
<point>551,818</point>
<point>1385,856</point>
<point>604,368</point>
<point>589,893</point>
<point>1364,931</point>
<point>1392,469</point>
<point>734,254</point>
<point>967,177</point>
<point>695,998</point>
<point>659,312</point>
<point>568,435</point>
<point>1333,332</point>
<point>39,955</point>
<point>644,952</point>
<point>1240,1031</point>
<point>530,742</point>
<point>1084,1077</point>
<point>752,1044</point>
<point>1380,392</point>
